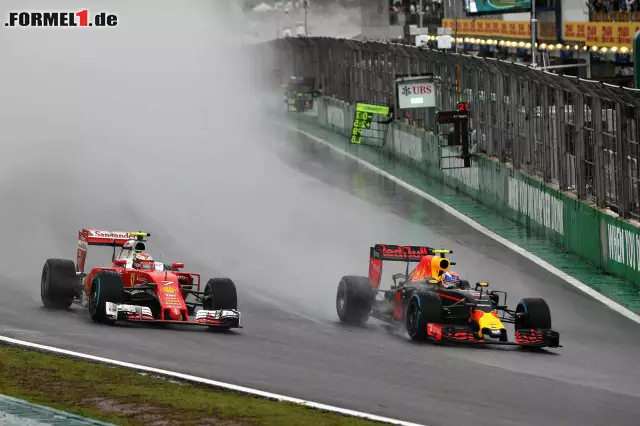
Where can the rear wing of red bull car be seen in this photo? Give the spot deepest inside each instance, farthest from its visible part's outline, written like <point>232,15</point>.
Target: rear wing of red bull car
<point>396,253</point>
<point>94,237</point>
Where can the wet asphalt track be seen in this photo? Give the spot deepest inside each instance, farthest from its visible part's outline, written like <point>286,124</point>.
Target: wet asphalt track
<point>287,258</point>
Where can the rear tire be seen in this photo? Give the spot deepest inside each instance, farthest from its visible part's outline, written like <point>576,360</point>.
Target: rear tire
<point>106,286</point>
<point>423,308</point>
<point>220,293</point>
<point>533,313</point>
<point>354,299</point>
<point>59,284</point>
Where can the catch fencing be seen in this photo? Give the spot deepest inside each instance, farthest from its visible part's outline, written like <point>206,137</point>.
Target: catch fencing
<point>579,135</point>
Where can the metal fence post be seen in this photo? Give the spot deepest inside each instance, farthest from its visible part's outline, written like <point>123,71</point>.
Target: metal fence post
<point>581,166</point>
<point>622,166</point>
<point>560,156</point>
<point>596,118</point>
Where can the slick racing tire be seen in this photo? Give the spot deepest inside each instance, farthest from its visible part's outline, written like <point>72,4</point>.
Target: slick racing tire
<point>532,313</point>
<point>106,286</point>
<point>220,293</point>
<point>59,284</point>
<point>354,299</point>
<point>423,308</point>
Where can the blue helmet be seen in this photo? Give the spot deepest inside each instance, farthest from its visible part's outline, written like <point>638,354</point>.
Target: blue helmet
<point>449,277</point>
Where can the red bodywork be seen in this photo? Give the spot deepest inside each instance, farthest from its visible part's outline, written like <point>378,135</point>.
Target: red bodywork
<point>169,284</point>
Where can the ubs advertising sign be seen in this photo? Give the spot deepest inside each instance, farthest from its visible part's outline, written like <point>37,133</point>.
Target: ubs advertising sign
<point>416,92</point>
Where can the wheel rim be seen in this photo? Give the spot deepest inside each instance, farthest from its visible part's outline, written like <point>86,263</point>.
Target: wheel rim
<point>92,299</point>
<point>44,290</point>
<point>413,317</point>
<point>341,302</point>
<point>208,298</point>
<point>521,318</point>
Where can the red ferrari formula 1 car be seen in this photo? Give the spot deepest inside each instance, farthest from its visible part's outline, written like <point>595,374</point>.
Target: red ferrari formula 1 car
<point>135,287</point>
<point>433,303</point>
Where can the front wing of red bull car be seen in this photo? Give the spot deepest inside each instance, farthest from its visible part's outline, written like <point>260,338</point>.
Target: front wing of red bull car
<point>478,316</point>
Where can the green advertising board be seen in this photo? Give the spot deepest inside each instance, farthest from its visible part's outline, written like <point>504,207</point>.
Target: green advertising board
<point>636,60</point>
<point>496,6</point>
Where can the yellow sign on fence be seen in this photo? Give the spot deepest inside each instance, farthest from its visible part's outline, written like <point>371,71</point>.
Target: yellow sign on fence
<point>519,30</point>
<point>601,34</point>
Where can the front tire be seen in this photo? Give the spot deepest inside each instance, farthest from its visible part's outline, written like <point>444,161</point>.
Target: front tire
<point>354,299</point>
<point>106,286</point>
<point>220,293</point>
<point>533,313</point>
<point>423,308</point>
<point>59,284</point>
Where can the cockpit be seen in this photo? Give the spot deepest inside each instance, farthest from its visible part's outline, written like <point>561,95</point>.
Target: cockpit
<point>145,265</point>
<point>130,248</point>
<point>133,252</point>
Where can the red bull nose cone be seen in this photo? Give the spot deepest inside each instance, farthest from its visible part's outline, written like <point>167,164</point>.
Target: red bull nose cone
<point>488,323</point>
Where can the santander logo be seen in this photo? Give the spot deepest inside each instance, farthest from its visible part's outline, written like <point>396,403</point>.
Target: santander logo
<point>104,234</point>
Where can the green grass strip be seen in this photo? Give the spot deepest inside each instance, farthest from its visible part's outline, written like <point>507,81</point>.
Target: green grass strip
<point>125,397</point>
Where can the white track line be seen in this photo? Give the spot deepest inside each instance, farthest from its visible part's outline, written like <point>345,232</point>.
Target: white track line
<point>212,383</point>
<point>530,256</point>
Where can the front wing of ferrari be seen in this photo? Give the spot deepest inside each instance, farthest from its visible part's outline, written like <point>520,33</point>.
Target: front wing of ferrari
<point>227,318</point>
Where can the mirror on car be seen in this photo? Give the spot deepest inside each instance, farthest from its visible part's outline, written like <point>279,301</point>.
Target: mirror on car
<point>177,265</point>
<point>120,262</point>
<point>481,284</point>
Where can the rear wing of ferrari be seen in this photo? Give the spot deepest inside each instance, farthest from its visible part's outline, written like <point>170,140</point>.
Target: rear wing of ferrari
<point>396,253</point>
<point>95,237</point>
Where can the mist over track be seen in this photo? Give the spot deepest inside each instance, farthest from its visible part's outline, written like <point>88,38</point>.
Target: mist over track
<point>144,126</point>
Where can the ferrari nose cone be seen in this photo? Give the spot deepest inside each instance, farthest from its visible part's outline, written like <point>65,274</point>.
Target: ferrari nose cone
<point>175,313</point>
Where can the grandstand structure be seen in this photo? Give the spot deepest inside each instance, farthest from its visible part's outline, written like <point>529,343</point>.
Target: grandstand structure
<point>586,38</point>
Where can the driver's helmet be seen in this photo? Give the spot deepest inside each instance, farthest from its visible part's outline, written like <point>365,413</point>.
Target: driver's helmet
<point>134,246</point>
<point>143,261</point>
<point>448,276</point>
<point>449,279</point>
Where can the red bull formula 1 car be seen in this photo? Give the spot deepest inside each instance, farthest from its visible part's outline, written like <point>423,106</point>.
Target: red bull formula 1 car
<point>135,288</point>
<point>434,304</point>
